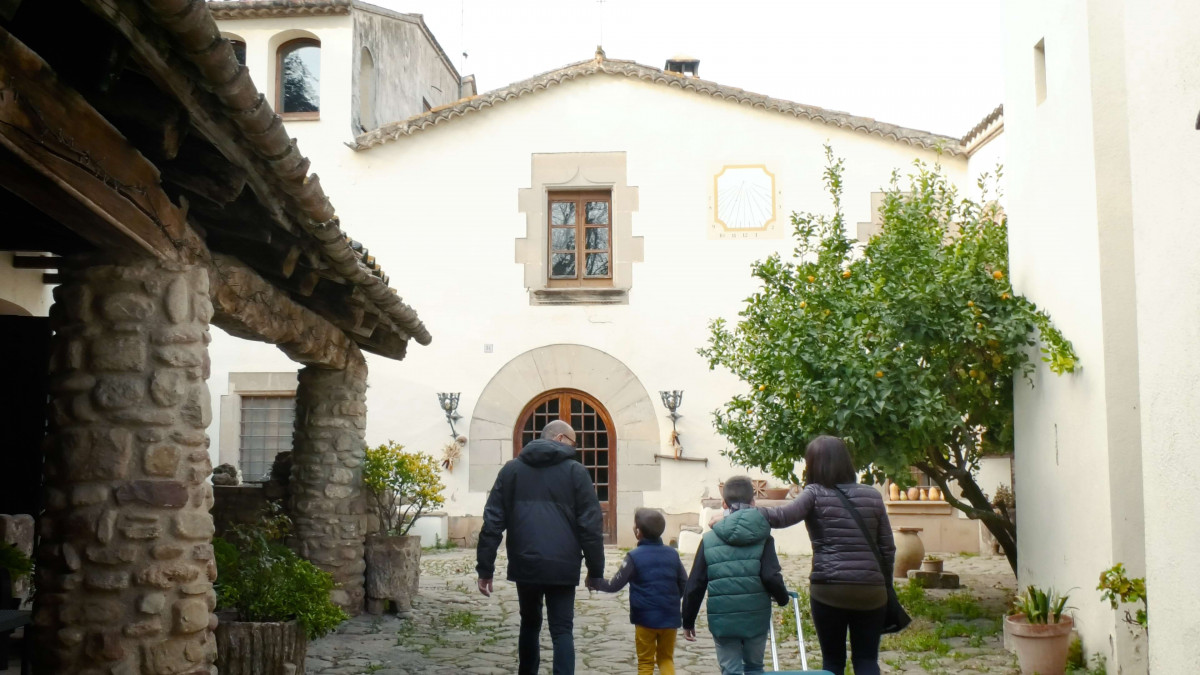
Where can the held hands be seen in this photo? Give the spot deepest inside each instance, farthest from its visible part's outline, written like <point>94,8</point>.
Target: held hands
<point>689,634</point>
<point>485,587</point>
<point>590,583</point>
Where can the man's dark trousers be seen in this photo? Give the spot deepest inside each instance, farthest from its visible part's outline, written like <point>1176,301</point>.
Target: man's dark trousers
<point>560,611</point>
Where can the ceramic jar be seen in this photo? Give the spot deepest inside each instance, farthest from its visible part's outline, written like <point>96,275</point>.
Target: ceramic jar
<point>924,495</point>
<point>910,551</point>
<point>935,494</point>
<point>894,492</point>
<point>914,494</point>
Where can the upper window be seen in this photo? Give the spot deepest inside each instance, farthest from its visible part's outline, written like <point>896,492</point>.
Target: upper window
<point>267,425</point>
<point>239,50</point>
<point>580,238</point>
<point>298,79</point>
<point>366,90</point>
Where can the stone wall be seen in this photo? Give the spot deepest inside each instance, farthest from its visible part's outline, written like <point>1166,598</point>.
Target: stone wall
<point>328,503</point>
<point>125,563</point>
<point>237,505</point>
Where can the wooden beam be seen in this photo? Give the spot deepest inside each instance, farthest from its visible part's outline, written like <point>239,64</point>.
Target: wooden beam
<point>36,262</point>
<point>247,306</point>
<point>77,156</point>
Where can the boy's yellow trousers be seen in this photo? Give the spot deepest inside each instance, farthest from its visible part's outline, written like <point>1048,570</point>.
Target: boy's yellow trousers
<point>655,645</point>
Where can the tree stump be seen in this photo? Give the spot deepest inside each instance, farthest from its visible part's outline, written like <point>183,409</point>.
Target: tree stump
<point>393,572</point>
<point>260,648</point>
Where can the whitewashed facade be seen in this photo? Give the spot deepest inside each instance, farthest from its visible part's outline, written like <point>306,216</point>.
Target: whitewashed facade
<point>466,187</point>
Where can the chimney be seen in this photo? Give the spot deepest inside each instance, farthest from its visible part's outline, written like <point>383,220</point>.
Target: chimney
<point>683,65</point>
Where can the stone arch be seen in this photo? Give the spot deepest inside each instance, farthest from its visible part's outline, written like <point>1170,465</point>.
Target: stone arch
<point>586,369</point>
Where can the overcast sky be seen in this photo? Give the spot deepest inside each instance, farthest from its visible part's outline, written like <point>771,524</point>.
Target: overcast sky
<point>927,64</point>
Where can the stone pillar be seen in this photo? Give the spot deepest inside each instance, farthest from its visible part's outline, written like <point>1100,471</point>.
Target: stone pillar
<point>328,503</point>
<point>125,562</point>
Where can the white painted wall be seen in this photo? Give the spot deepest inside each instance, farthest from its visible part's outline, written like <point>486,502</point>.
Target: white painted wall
<point>23,288</point>
<point>439,210</point>
<point>1162,63</point>
<point>1078,459</point>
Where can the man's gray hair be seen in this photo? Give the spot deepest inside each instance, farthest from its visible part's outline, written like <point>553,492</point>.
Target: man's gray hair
<point>738,490</point>
<point>555,429</point>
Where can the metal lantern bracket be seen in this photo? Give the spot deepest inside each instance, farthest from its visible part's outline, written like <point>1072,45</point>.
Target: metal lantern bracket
<point>449,405</point>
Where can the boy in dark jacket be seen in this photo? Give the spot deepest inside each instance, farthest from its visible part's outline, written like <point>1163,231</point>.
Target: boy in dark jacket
<point>736,564</point>
<point>545,501</point>
<point>656,578</point>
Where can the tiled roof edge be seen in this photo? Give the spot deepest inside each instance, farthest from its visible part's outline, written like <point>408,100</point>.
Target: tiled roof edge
<point>977,133</point>
<point>396,130</point>
<point>192,27</point>
<point>260,9</point>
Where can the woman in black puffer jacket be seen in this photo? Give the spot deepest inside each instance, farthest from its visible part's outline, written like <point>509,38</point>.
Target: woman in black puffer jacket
<point>849,591</point>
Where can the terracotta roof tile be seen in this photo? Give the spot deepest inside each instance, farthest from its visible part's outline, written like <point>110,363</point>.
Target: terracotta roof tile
<point>602,66</point>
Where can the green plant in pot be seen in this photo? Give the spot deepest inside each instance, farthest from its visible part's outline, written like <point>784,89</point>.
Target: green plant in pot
<point>14,565</point>
<point>1040,631</point>
<point>270,601</point>
<point>402,486</point>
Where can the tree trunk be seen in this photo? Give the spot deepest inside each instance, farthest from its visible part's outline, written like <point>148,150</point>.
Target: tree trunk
<point>254,648</point>
<point>977,506</point>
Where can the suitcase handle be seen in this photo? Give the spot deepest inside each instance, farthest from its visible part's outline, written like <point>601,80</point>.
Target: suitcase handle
<point>799,635</point>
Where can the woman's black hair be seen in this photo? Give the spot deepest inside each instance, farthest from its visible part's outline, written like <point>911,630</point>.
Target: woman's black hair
<point>827,462</point>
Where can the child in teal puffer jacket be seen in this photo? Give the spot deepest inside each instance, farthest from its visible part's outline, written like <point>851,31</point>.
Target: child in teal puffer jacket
<point>737,566</point>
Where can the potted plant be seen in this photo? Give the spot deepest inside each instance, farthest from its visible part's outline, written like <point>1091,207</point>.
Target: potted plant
<point>401,486</point>
<point>270,601</point>
<point>776,492</point>
<point>1040,632</point>
<point>932,564</point>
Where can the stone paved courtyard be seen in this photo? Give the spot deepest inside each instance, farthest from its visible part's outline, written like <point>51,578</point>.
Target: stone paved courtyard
<point>454,629</point>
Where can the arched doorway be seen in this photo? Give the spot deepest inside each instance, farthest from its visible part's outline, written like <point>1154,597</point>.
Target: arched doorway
<point>595,439</point>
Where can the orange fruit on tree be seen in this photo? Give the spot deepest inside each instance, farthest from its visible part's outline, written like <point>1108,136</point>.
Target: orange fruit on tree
<point>803,304</point>
<point>762,387</point>
<point>997,274</point>
<point>1005,296</point>
<point>970,303</point>
<point>811,278</point>
<point>845,274</point>
<point>879,373</point>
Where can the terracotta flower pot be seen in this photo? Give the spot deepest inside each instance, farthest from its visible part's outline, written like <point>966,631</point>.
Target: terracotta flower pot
<point>776,493</point>
<point>1041,647</point>
<point>932,565</point>
<point>910,551</point>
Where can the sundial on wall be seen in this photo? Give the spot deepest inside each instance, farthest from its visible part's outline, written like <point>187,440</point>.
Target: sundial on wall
<point>744,203</point>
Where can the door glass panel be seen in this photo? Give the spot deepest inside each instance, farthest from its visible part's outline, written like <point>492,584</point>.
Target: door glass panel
<point>562,213</point>
<point>597,238</point>
<point>562,265</point>
<point>562,239</point>
<point>597,264</point>
<point>597,213</point>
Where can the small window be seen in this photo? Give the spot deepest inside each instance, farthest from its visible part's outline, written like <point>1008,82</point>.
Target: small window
<point>580,238</point>
<point>267,425</point>
<point>298,79</point>
<point>366,90</point>
<point>239,50</point>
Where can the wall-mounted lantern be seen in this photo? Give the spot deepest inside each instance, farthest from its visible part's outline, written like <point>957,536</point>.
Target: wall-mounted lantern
<point>449,405</point>
<point>671,400</point>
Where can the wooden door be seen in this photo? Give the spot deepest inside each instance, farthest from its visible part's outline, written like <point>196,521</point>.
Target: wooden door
<point>595,440</point>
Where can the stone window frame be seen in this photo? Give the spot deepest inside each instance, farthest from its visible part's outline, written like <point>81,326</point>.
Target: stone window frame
<point>247,383</point>
<point>578,171</point>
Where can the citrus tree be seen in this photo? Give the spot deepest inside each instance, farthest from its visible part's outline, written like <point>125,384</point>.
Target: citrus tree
<point>402,485</point>
<point>907,347</point>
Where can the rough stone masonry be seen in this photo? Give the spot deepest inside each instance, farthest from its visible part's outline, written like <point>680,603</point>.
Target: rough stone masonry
<point>328,448</point>
<point>125,567</point>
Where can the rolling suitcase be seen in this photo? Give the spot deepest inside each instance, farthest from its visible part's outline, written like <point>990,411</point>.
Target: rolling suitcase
<point>799,636</point>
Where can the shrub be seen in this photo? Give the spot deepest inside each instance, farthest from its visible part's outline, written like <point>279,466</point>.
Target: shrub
<point>402,485</point>
<point>16,563</point>
<point>264,580</point>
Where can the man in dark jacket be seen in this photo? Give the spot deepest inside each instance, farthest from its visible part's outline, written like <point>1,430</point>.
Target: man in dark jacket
<point>737,565</point>
<point>546,502</point>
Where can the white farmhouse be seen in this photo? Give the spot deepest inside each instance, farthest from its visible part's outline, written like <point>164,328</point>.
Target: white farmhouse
<point>574,234</point>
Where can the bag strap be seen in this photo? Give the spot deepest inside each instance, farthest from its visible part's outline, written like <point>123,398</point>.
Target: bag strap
<point>866,533</point>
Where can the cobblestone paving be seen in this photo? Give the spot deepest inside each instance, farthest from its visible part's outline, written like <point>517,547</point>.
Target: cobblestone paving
<point>454,629</point>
